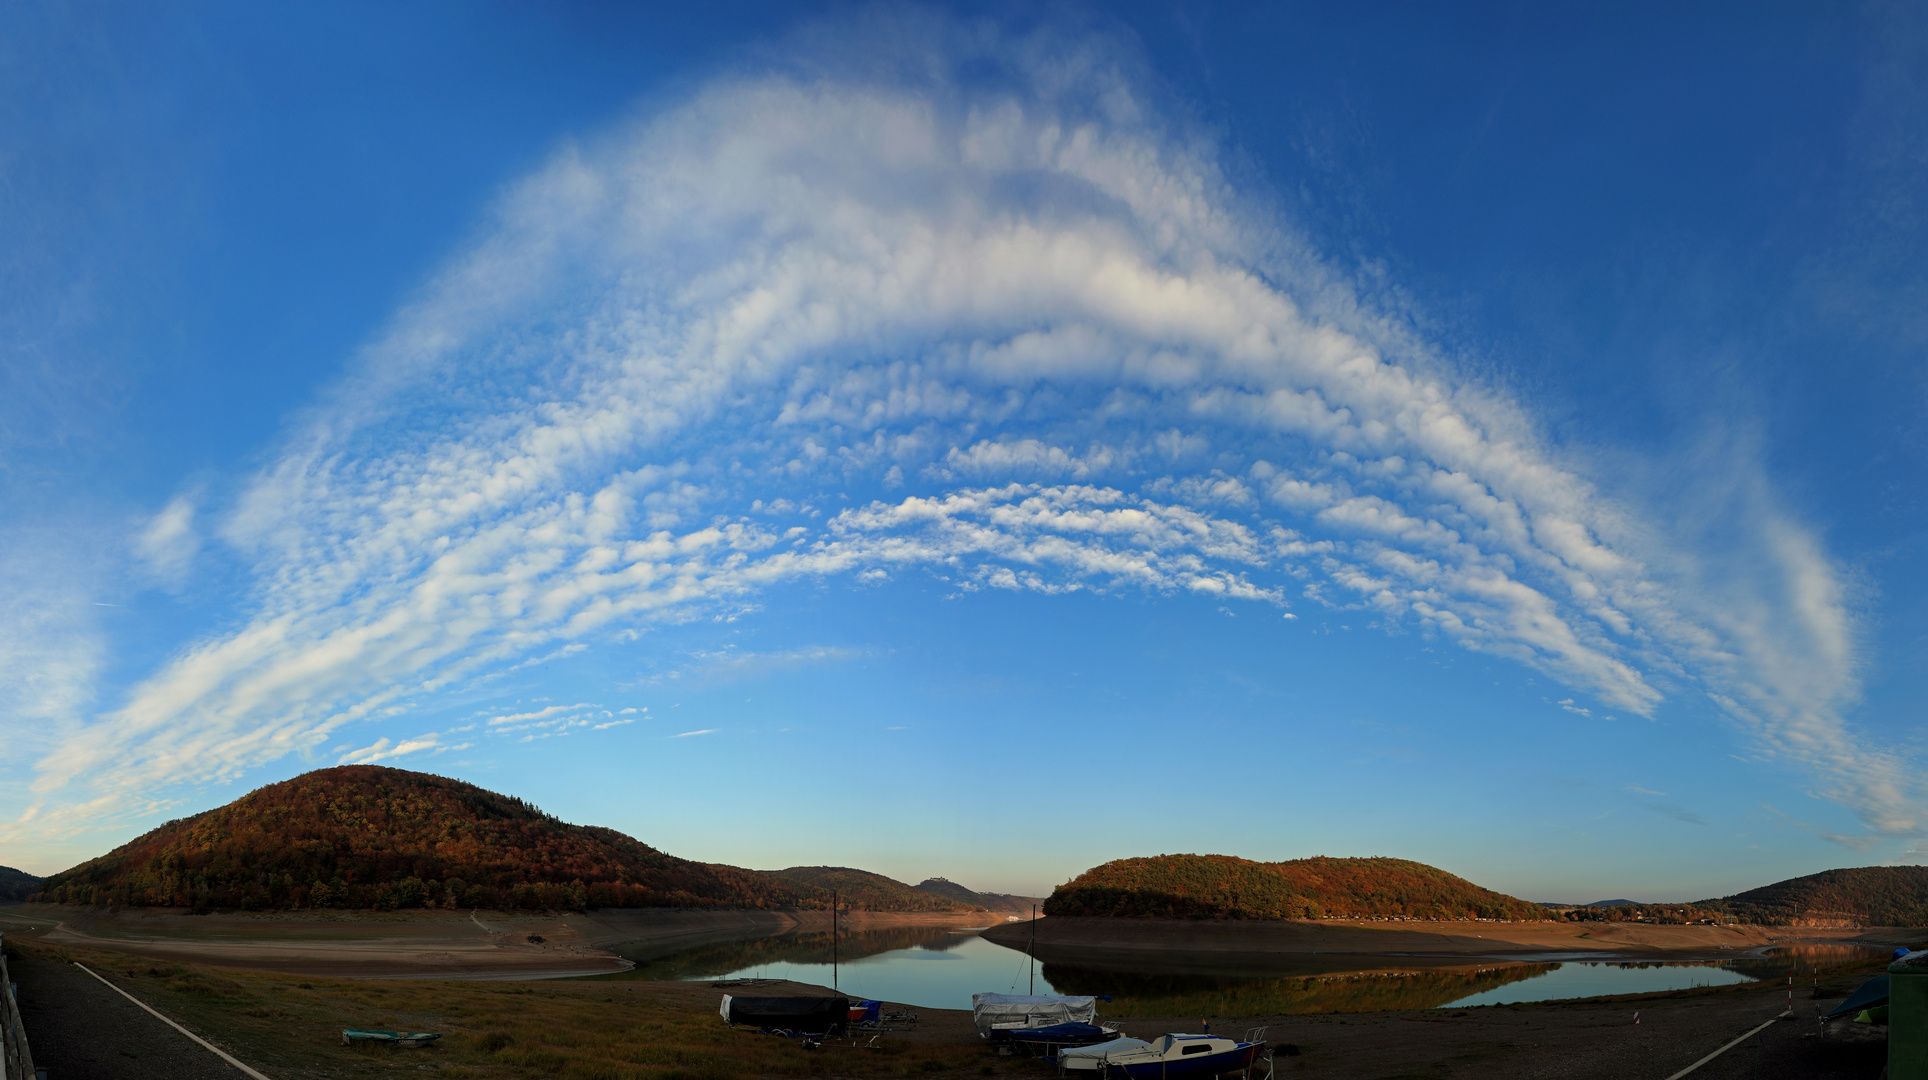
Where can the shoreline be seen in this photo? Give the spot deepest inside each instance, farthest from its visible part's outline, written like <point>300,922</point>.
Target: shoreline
<point>508,946</point>
<point>478,945</point>
<point>1101,942</point>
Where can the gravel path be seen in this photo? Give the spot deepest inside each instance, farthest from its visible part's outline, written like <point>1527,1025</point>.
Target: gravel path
<point>81,1030</point>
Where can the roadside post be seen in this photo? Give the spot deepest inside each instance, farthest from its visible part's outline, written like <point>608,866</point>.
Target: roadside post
<point>1908,1017</point>
<point>16,1061</point>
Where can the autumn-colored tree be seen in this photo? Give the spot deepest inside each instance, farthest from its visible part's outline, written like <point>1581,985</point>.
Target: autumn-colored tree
<point>364,836</point>
<point>1228,887</point>
<point>16,884</point>
<point>861,890</point>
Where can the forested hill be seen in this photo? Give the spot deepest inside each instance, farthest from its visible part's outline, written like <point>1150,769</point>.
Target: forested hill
<point>1870,895</point>
<point>865,891</point>
<point>16,885</point>
<point>364,836</point>
<point>1002,903</point>
<point>1227,887</point>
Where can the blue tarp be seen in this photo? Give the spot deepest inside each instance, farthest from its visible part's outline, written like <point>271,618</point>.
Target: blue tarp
<point>1868,995</point>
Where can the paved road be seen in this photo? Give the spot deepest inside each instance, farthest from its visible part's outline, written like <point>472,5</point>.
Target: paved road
<point>1790,1051</point>
<point>81,1030</point>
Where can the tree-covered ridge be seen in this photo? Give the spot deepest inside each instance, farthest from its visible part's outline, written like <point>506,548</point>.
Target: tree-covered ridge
<point>1228,887</point>
<point>865,891</point>
<point>1866,895</point>
<point>365,836</point>
<point>16,885</point>
<point>1001,902</point>
<point>1872,895</point>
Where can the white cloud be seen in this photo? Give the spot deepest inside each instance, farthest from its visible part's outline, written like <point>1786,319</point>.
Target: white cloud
<point>704,731</point>
<point>743,304</point>
<point>383,750</point>
<point>50,647</point>
<point>52,652</point>
<point>169,543</point>
<point>1026,457</point>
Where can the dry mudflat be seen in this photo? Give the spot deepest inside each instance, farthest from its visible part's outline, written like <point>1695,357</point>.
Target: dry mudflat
<point>484,944</point>
<point>410,944</point>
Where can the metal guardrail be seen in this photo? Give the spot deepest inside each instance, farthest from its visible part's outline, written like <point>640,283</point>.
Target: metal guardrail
<point>16,1061</point>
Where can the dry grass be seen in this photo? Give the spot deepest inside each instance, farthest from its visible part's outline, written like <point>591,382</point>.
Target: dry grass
<point>290,1026</point>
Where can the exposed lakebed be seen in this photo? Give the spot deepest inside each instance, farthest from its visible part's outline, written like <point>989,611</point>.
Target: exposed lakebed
<point>941,968</point>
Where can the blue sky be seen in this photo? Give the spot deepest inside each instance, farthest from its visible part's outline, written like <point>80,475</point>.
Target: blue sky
<point>855,435</point>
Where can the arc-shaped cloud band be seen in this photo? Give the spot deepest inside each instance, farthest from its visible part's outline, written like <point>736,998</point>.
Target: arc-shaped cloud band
<point>1034,330</point>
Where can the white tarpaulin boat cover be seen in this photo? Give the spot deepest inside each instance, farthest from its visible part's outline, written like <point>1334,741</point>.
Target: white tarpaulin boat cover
<point>1091,1057</point>
<point>1009,1012</point>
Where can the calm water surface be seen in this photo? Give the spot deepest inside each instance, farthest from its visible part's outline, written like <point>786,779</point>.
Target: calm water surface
<point>936,969</point>
<point>941,969</point>
<point>1573,979</point>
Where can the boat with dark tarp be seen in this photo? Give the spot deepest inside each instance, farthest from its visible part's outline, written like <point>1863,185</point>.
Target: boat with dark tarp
<point>795,1015</point>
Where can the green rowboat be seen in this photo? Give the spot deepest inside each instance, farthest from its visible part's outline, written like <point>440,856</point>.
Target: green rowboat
<point>350,1036</point>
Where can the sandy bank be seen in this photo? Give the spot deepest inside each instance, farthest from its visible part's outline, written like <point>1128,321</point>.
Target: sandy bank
<point>1101,941</point>
<point>413,944</point>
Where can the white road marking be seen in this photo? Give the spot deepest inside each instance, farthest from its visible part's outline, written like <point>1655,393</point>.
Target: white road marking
<point>1724,1049</point>
<point>224,1055</point>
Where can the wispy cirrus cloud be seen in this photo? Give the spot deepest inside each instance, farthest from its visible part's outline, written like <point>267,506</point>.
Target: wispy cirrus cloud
<point>1036,298</point>
<point>730,664</point>
<point>169,542</point>
<point>384,749</point>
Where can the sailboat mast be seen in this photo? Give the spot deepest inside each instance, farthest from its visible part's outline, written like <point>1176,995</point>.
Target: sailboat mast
<point>833,939</point>
<point>1034,950</point>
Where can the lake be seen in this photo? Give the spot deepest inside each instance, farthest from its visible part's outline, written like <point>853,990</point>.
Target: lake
<point>941,969</point>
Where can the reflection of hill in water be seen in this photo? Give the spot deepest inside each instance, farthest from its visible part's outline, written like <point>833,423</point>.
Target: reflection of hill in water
<point>1806,957</point>
<point>719,958</point>
<point>1179,994</point>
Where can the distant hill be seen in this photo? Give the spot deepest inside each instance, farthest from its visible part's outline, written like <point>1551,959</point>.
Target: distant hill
<point>1227,887</point>
<point>16,885</point>
<point>1870,895</point>
<point>1865,896</point>
<point>865,891</point>
<point>1002,903</point>
<point>364,836</point>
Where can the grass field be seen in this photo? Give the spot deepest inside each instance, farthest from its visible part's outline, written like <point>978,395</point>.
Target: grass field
<point>290,1026</point>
